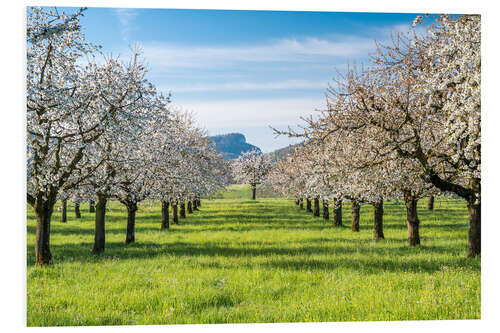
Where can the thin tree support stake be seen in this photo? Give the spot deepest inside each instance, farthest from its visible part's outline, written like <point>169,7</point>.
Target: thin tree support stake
<point>63,211</point>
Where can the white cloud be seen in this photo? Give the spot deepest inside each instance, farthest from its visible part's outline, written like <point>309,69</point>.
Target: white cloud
<point>126,17</point>
<point>284,50</point>
<point>253,112</point>
<point>248,86</point>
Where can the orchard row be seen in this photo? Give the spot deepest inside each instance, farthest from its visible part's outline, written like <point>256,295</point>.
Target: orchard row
<point>406,126</point>
<point>98,130</point>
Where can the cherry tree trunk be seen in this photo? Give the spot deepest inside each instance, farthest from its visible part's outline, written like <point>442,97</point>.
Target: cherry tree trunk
<point>326,213</point>
<point>308,206</point>
<point>254,191</point>
<point>430,203</point>
<point>199,201</point>
<point>195,205</point>
<point>316,207</point>
<point>131,210</point>
<point>378,220</point>
<point>175,217</point>
<point>412,219</point>
<point>301,204</point>
<point>337,212</point>
<point>355,207</point>
<point>164,215</point>
<point>297,201</point>
<point>100,216</point>
<point>77,210</point>
<point>43,210</point>
<point>63,211</point>
<point>182,210</point>
<point>474,229</point>
<point>190,207</point>
<point>91,206</point>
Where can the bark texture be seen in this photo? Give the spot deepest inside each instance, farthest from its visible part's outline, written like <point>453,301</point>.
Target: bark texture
<point>326,213</point>
<point>131,210</point>
<point>378,220</point>
<point>412,219</point>
<point>337,212</point>
<point>182,210</point>
<point>77,210</point>
<point>175,217</point>
<point>165,224</point>
<point>43,210</point>
<point>355,207</point>
<point>316,207</point>
<point>430,203</point>
<point>474,229</point>
<point>100,217</point>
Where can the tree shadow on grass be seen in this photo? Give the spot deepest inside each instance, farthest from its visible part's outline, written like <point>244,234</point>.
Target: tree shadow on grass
<point>239,223</point>
<point>276,255</point>
<point>370,259</point>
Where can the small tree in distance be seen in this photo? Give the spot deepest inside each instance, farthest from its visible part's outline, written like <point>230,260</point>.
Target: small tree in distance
<point>251,168</point>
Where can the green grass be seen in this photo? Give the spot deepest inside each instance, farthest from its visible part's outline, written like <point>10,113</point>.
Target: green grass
<point>239,261</point>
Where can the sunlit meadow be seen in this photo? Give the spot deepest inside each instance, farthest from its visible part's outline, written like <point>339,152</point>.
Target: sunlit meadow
<point>243,261</point>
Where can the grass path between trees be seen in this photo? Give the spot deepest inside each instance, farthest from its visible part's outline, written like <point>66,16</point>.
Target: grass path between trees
<point>247,261</point>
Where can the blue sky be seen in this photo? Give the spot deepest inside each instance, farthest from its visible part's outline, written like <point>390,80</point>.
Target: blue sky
<point>241,71</point>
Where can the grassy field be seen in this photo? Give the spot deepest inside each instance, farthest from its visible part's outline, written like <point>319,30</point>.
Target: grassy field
<point>239,260</point>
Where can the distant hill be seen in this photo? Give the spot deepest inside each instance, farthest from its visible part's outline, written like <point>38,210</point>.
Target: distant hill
<point>232,145</point>
<point>282,152</point>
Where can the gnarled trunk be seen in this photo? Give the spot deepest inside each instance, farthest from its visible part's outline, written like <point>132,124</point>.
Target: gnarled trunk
<point>190,207</point>
<point>316,207</point>
<point>378,219</point>
<point>474,229</point>
<point>337,212</point>
<point>131,210</point>
<point>100,216</point>
<point>355,207</point>
<point>326,213</point>
<point>254,191</point>
<point>308,205</point>
<point>430,203</point>
<point>77,210</point>
<point>301,203</point>
<point>43,210</point>
<point>412,219</point>
<point>164,215</point>
<point>63,211</point>
<point>175,217</point>
<point>91,206</point>
<point>182,210</point>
